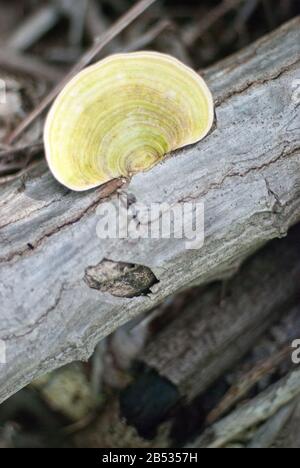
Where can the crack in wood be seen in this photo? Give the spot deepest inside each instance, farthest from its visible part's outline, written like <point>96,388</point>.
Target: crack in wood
<point>107,191</point>
<point>249,85</point>
<point>229,175</point>
<point>40,320</point>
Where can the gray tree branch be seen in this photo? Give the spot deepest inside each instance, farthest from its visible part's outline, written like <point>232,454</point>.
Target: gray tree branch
<point>247,173</point>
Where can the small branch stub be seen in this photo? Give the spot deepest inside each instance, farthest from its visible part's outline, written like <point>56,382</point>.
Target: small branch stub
<point>120,279</point>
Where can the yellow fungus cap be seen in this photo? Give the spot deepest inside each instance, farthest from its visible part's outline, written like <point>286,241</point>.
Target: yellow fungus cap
<point>123,115</point>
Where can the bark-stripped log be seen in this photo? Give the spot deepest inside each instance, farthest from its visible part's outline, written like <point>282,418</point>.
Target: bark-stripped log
<point>247,172</point>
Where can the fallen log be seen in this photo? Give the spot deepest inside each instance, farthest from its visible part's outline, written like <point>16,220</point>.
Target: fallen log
<point>246,173</point>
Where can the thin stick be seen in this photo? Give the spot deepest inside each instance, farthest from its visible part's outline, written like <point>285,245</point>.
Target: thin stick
<point>29,65</point>
<point>36,146</point>
<point>87,58</point>
<point>148,37</point>
<point>96,21</point>
<point>209,20</point>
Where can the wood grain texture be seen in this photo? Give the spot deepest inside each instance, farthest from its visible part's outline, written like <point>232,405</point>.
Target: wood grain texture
<point>247,172</point>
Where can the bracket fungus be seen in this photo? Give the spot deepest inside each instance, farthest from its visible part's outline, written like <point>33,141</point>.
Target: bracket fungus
<point>122,116</point>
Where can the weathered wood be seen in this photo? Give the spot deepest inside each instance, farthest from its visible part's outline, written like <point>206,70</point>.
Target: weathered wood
<point>289,436</point>
<point>268,433</point>
<point>246,172</point>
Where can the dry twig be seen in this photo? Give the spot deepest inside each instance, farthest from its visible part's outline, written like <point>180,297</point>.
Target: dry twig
<point>29,65</point>
<point>209,20</point>
<point>255,412</point>
<point>248,381</point>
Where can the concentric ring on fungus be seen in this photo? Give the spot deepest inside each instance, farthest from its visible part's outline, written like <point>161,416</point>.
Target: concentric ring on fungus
<point>122,116</point>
